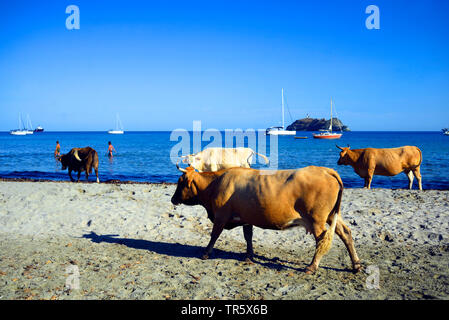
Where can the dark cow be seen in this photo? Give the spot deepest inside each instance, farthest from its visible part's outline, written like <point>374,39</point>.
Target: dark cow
<point>80,159</point>
<point>308,197</point>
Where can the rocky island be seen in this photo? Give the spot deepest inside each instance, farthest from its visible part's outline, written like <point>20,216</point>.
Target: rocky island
<point>312,124</point>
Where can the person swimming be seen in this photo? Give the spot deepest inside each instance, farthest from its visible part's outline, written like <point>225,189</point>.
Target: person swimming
<point>110,149</point>
<point>57,150</point>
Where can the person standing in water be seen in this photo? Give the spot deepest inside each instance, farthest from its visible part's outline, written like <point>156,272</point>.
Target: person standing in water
<point>57,150</point>
<point>110,149</point>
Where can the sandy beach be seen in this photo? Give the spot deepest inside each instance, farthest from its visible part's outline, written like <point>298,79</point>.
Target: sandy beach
<point>129,242</point>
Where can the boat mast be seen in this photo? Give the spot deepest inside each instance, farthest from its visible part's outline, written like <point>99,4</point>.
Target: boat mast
<point>282,108</point>
<point>29,125</point>
<point>21,125</point>
<point>331,117</point>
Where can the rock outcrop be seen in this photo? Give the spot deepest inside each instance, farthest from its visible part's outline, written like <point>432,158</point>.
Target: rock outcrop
<point>311,124</point>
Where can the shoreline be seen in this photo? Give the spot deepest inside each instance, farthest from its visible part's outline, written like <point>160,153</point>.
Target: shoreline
<point>115,181</point>
<point>112,181</point>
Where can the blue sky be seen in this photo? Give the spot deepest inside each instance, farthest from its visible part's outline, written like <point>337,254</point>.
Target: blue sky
<point>163,64</point>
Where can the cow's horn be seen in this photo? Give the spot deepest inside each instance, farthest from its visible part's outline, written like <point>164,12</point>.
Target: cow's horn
<point>75,153</point>
<point>338,147</point>
<point>180,169</point>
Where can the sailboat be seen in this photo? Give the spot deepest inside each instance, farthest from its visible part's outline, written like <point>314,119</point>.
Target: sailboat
<point>328,134</point>
<point>118,126</point>
<point>29,127</point>
<point>21,131</point>
<point>445,131</point>
<point>280,131</point>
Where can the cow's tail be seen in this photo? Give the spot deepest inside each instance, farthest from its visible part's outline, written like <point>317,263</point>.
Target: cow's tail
<point>420,156</point>
<point>95,162</point>
<point>325,243</point>
<point>261,155</point>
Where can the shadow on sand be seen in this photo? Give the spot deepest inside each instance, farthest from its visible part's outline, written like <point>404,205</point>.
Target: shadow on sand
<point>191,251</point>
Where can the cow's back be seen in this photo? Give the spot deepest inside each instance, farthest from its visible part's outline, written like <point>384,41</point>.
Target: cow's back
<point>266,197</point>
<point>225,158</point>
<point>89,159</point>
<point>393,161</point>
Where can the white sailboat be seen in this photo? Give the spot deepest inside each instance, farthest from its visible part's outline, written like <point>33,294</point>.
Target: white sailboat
<point>280,131</point>
<point>118,126</point>
<point>29,126</point>
<point>328,134</point>
<point>21,131</point>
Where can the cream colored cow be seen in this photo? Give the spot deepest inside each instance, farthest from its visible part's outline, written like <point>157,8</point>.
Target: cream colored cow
<point>214,159</point>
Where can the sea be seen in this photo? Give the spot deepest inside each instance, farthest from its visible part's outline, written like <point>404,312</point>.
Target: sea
<point>148,156</point>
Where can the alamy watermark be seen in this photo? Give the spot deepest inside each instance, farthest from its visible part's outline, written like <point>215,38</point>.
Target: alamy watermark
<point>73,20</point>
<point>190,142</point>
<point>372,281</point>
<point>373,20</point>
<point>73,278</point>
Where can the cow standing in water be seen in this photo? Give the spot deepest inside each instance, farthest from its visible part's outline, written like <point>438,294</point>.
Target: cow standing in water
<point>80,159</point>
<point>308,197</point>
<point>384,162</point>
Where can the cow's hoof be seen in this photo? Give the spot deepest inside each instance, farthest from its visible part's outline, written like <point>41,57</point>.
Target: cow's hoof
<point>357,267</point>
<point>310,269</point>
<point>205,257</point>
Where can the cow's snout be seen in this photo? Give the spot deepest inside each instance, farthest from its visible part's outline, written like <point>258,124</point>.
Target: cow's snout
<point>175,201</point>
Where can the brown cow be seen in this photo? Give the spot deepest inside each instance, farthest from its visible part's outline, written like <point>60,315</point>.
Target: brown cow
<point>80,159</point>
<point>308,197</point>
<point>384,162</point>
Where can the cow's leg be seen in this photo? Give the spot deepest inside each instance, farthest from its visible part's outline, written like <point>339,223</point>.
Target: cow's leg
<point>96,173</point>
<point>410,178</point>
<point>318,232</point>
<point>366,182</point>
<point>216,231</point>
<point>323,240</point>
<point>70,175</point>
<point>345,235</point>
<point>248,234</point>
<point>417,174</point>
<point>370,177</point>
<point>87,174</point>
<point>79,175</point>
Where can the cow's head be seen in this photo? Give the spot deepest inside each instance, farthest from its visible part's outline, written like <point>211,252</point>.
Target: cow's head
<point>344,157</point>
<point>193,160</point>
<point>64,159</point>
<point>186,191</point>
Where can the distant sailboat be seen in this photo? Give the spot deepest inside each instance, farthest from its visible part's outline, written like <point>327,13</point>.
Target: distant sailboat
<point>280,131</point>
<point>21,131</point>
<point>118,126</point>
<point>328,134</point>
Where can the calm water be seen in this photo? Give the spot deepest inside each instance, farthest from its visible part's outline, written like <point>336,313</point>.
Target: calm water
<point>145,156</point>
